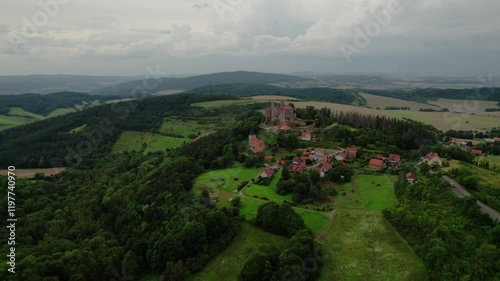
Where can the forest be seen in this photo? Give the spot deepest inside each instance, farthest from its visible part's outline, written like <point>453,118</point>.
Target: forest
<point>453,238</point>
<point>45,104</point>
<point>321,94</point>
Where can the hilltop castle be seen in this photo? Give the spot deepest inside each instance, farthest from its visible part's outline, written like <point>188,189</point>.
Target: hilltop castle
<point>282,115</point>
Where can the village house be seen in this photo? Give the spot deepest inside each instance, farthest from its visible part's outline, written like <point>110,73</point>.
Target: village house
<point>266,173</point>
<point>340,156</point>
<point>411,177</point>
<point>351,152</point>
<point>256,145</point>
<point>433,158</point>
<point>394,159</point>
<point>495,139</point>
<point>476,152</point>
<point>281,163</point>
<point>306,136</point>
<point>323,168</point>
<point>376,164</point>
<point>457,142</point>
<point>268,158</point>
<point>318,153</point>
<point>297,168</point>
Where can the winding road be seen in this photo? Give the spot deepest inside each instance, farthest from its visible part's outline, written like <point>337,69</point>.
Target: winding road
<point>462,192</point>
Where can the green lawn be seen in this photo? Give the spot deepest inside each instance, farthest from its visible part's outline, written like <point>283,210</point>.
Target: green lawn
<point>268,191</point>
<point>362,244</point>
<point>225,179</point>
<point>18,116</point>
<point>368,195</point>
<point>227,265</point>
<point>315,221</point>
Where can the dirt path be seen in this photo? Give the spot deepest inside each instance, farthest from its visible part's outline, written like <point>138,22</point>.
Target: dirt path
<point>462,192</point>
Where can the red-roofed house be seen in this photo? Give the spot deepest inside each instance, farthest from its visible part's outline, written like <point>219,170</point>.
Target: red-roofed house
<point>411,177</point>
<point>306,136</point>
<point>376,164</point>
<point>318,153</point>
<point>268,158</point>
<point>285,128</point>
<point>395,159</point>
<point>340,156</point>
<point>266,173</point>
<point>476,152</point>
<point>433,159</point>
<point>282,163</point>
<point>496,139</point>
<point>323,168</point>
<point>457,142</point>
<point>351,152</point>
<point>256,145</point>
<point>298,168</point>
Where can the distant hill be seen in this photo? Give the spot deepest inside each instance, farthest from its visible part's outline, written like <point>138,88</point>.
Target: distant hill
<point>45,104</point>
<point>187,83</point>
<point>44,84</point>
<point>315,93</point>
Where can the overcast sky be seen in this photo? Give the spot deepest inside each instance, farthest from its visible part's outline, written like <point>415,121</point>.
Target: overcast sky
<point>122,37</point>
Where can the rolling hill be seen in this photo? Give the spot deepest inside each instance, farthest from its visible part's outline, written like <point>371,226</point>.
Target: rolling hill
<point>188,83</point>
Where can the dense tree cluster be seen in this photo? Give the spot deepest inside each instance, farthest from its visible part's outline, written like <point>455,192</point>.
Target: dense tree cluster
<point>300,260</point>
<point>129,214</point>
<point>379,131</point>
<point>454,239</point>
<point>305,188</point>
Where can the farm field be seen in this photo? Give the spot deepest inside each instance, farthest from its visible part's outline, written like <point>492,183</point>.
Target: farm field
<point>374,101</point>
<point>272,98</point>
<point>221,103</point>
<point>441,120</point>
<point>478,106</point>
<point>362,244</point>
<point>18,116</point>
<point>227,265</point>
<point>494,159</point>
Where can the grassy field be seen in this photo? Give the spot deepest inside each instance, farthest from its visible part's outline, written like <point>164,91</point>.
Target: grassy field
<point>130,140</point>
<point>362,244</point>
<point>477,105</point>
<point>372,193</point>
<point>487,177</point>
<point>221,103</point>
<point>225,179</point>
<point>228,264</point>
<point>374,101</point>
<point>18,116</point>
<point>61,111</point>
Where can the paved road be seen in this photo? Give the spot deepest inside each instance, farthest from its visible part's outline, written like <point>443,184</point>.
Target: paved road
<point>462,192</point>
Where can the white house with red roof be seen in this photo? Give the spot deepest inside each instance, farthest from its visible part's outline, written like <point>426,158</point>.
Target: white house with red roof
<point>266,173</point>
<point>433,158</point>
<point>256,145</point>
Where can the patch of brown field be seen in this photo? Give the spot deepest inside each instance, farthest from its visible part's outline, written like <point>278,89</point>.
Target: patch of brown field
<point>169,92</point>
<point>342,107</point>
<point>119,100</point>
<point>80,106</point>
<point>272,97</point>
<point>375,101</point>
<point>29,173</point>
<point>467,106</point>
